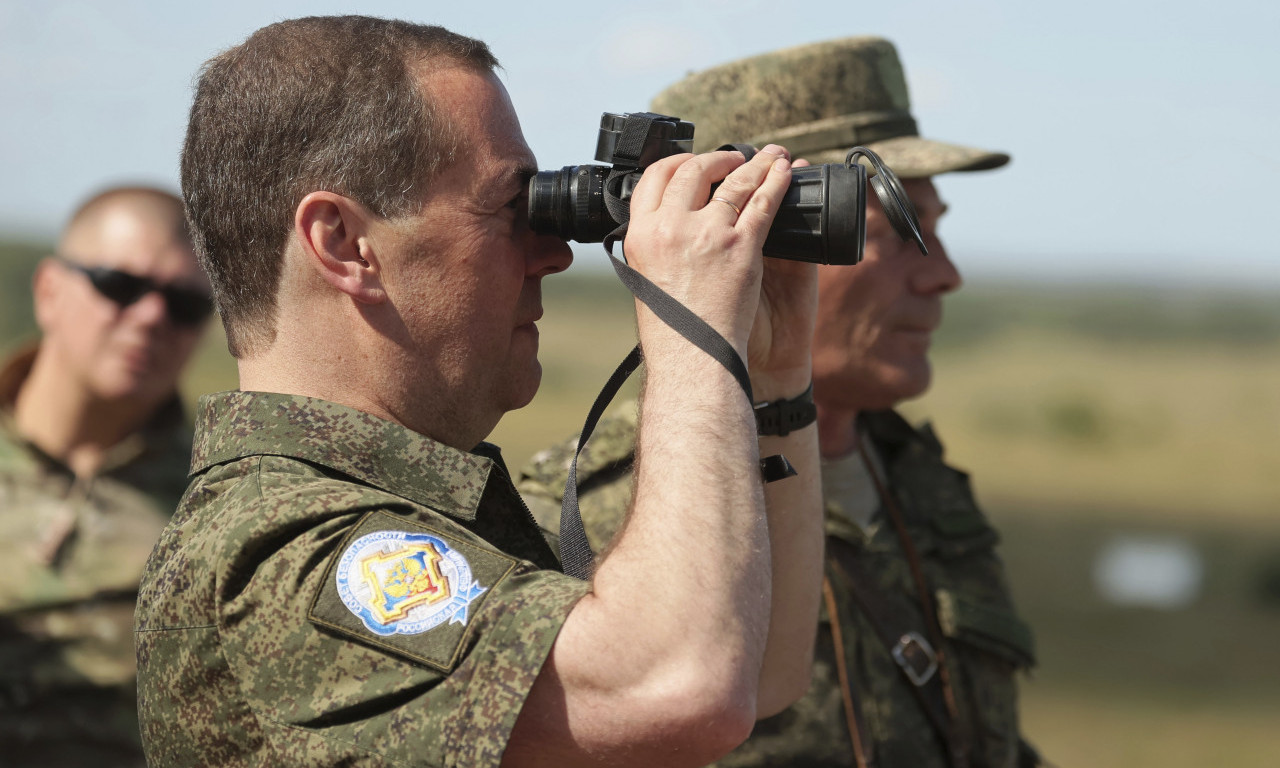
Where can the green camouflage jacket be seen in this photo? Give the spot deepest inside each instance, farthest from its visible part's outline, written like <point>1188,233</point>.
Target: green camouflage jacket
<point>335,589</point>
<point>986,641</point>
<point>71,555</point>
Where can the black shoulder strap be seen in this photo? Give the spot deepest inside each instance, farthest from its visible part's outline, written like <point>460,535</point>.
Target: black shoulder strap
<point>576,557</point>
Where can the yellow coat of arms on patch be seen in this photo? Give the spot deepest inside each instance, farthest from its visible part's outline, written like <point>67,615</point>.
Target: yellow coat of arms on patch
<point>405,583</point>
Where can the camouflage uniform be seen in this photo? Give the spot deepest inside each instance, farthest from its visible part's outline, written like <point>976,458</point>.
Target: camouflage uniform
<point>986,642</point>
<point>336,589</point>
<point>71,554</point>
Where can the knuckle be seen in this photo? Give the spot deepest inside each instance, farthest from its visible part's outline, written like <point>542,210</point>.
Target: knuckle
<point>760,204</point>
<point>735,188</point>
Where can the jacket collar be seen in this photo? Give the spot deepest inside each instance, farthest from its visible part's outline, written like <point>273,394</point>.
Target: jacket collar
<point>372,450</point>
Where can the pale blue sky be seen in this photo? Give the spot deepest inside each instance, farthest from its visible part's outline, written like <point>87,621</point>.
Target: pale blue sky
<point>1144,134</point>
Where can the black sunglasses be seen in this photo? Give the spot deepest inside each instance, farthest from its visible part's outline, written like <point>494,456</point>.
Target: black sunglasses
<point>186,306</point>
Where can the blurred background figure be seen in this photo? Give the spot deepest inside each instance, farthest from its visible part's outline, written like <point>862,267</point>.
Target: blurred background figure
<point>920,644</point>
<point>94,452</point>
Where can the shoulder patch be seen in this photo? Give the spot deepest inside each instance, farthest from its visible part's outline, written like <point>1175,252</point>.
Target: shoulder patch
<point>405,587</point>
<point>400,583</point>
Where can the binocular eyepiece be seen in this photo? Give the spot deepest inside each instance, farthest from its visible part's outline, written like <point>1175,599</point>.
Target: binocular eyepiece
<point>822,218</point>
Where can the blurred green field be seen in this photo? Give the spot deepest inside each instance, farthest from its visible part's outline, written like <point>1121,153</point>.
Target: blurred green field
<point>1083,412</point>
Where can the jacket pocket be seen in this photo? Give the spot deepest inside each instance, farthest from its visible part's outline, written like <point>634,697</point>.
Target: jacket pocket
<point>992,628</point>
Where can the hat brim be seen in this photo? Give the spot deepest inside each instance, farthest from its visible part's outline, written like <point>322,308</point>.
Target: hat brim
<point>912,157</point>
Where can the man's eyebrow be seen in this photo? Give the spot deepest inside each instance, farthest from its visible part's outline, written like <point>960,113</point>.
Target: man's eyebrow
<point>514,177</point>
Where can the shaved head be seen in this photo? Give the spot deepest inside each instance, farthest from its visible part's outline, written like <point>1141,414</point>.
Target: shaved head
<point>157,210</point>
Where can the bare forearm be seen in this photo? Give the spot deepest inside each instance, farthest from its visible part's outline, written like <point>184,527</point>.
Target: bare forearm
<point>782,369</point>
<point>690,572</point>
<point>794,510</point>
<point>698,478</point>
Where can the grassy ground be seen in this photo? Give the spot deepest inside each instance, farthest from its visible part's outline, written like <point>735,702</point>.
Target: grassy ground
<point>1100,731</point>
<point>1170,430</point>
<point>1130,687</point>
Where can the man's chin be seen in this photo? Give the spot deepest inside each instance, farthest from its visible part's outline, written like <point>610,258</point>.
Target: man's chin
<point>909,382</point>
<point>882,384</point>
<point>902,371</point>
<point>136,387</point>
<point>524,387</point>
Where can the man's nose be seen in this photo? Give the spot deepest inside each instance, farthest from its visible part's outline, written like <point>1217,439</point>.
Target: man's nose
<point>550,254</point>
<point>935,273</point>
<point>149,309</point>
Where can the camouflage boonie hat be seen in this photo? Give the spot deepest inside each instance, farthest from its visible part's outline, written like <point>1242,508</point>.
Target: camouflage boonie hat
<point>818,101</point>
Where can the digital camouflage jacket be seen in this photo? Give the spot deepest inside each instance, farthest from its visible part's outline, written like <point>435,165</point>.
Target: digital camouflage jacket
<point>335,589</point>
<point>71,555</point>
<point>986,643</point>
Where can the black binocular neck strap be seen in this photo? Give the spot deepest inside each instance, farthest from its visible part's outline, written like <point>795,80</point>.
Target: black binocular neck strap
<point>576,556</point>
<point>684,322</point>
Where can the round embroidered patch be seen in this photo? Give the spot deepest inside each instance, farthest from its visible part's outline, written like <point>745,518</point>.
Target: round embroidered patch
<point>405,583</point>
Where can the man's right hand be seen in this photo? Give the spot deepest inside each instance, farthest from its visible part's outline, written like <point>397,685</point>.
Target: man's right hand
<point>700,250</point>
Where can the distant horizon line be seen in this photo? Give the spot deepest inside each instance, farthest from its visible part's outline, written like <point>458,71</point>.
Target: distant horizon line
<point>1065,267</point>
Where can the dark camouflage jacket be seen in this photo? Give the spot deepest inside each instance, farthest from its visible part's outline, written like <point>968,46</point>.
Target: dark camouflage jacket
<point>335,589</point>
<point>986,641</point>
<point>71,555</point>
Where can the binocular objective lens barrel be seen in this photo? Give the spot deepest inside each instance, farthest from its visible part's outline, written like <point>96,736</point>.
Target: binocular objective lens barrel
<point>822,218</point>
<point>569,203</point>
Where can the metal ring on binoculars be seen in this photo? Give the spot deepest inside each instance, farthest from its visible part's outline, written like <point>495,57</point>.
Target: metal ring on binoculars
<point>736,210</point>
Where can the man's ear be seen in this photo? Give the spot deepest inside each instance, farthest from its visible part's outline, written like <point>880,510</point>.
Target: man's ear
<point>45,289</point>
<point>332,231</point>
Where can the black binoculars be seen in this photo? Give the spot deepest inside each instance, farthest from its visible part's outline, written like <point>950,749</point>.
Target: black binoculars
<point>822,218</point>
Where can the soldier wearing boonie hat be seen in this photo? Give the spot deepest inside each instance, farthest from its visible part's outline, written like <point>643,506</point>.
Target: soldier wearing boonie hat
<point>920,642</point>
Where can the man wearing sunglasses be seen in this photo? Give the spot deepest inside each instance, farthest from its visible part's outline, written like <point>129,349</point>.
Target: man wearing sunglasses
<point>94,451</point>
